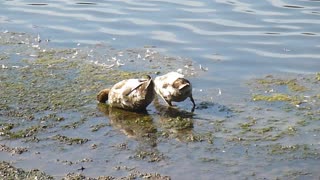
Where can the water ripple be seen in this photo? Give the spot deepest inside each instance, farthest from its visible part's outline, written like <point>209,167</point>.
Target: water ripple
<point>207,31</point>
<point>198,10</point>
<point>142,22</point>
<point>143,9</point>
<point>119,32</point>
<point>181,2</point>
<point>68,29</point>
<point>247,8</point>
<point>279,55</point>
<point>166,36</point>
<point>223,22</point>
<point>293,21</point>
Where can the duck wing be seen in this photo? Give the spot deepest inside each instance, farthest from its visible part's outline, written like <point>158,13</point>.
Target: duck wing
<point>135,84</point>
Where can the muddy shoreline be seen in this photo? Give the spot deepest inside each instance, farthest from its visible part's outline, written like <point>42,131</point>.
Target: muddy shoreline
<point>50,120</point>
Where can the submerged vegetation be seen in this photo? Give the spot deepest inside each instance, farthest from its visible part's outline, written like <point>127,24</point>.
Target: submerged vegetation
<point>292,84</point>
<point>10,172</point>
<point>318,76</point>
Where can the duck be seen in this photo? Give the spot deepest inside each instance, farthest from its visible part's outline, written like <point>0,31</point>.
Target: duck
<point>129,94</point>
<point>173,87</point>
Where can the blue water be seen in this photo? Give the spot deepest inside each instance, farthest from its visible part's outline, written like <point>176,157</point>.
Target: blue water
<point>234,39</point>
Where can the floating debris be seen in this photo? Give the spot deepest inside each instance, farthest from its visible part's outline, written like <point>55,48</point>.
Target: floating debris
<point>203,68</point>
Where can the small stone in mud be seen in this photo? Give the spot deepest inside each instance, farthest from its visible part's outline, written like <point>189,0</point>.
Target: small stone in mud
<point>84,160</point>
<point>67,162</point>
<point>94,146</point>
<point>123,146</point>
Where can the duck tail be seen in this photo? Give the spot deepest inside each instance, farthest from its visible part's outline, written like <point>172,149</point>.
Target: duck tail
<point>149,83</point>
<point>102,96</point>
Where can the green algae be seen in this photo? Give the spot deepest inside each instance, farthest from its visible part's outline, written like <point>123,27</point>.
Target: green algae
<point>297,174</point>
<point>69,140</point>
<point>75,124</point>
<point>281,149</point>
<point>272,98</point>
<point>7,171</point>
<point>178,123</point>
<point>278,97</point>
<point>248,125</point>
<point>3,57</point>
<point>318,76</point>
<point>15,150</point>
<point>97,127</point>
<point>292,84</point>
<point>200,137</point>
<point>288,131</point>
<point>300,150</point>
<point>53,117</point>
<point>23,133</point>
<point>53,82</point>
<point>264,130</point>
<point>5,127</point>
<point>133,173</point>
<point>303,122</point>
<point>150,156</point>
<point>208,160</point>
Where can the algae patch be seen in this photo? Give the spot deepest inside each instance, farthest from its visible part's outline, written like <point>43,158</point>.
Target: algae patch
<point>23,133</point>
<point>278,97</point>
<point>178,123</point>
<point>7,171</point>
<point>292,84</point>
<point>69,140</point>
<point>15,150</point>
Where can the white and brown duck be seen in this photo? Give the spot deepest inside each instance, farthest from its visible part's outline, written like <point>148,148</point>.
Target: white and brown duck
<point>129,94</point>
<point>173,87</point>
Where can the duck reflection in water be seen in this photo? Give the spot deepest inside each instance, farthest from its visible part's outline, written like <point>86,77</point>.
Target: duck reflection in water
<point>176,123</point>
<point>138,126</point>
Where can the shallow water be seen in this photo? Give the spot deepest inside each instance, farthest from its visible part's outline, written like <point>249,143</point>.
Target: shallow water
<point>227,45</point>
<point>233,39</point>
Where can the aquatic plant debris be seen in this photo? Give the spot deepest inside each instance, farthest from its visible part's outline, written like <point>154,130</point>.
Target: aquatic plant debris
<point>10,172</point>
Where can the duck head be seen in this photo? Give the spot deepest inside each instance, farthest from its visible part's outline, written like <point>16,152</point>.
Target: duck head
<point>181,83</point>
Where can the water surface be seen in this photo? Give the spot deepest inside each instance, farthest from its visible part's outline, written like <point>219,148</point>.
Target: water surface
<point>224,44</point>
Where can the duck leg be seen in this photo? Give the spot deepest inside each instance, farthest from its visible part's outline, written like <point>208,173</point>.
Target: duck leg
<point>192,100</point>
<point>169,103</point>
